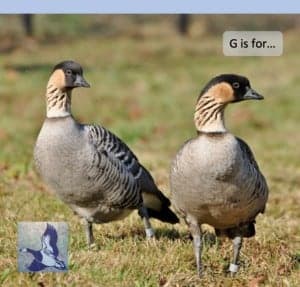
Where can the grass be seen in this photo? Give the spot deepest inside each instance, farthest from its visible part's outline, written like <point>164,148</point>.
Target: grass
<point>145,79</point>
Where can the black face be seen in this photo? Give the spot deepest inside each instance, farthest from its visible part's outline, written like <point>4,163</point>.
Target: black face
<point>73,74</point>
<point>240,85</point>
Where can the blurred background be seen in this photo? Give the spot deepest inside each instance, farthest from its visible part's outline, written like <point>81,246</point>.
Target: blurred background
<point>146,72</point>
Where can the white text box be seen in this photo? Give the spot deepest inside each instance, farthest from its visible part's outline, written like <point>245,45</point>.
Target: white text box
<point>252,43</point>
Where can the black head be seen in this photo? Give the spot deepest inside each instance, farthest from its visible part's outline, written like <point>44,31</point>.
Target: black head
<point>72,73</point>
<point>228,88</point>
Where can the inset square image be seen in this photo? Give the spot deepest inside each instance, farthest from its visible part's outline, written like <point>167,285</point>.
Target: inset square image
<point>42,246</point>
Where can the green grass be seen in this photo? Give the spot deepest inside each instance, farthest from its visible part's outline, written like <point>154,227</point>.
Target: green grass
<point>145,80</point>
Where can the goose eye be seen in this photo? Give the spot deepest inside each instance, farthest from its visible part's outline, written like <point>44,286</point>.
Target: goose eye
<point>236,85</point>
<point>69,72</point>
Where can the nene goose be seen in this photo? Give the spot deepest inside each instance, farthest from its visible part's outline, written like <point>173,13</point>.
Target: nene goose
<point>214,177</point>
<point>88,167</point>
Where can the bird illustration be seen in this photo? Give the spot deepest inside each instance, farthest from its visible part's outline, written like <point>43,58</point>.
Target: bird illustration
<point>214,177</point>
<point>90,169</point>
<point>47,255</point>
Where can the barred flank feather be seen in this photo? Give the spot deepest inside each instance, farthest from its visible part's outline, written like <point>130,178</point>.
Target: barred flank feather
<point>117,151</point>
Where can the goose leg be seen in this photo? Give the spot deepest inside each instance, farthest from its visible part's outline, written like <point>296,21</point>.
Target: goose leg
<point>145,216</point>
<point>89,232</point>
<point>237,245</point>
<point>197,242</point>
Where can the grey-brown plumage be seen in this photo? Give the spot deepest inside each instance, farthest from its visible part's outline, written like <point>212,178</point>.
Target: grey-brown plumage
<point>214,177</point>
<point>88,167</point>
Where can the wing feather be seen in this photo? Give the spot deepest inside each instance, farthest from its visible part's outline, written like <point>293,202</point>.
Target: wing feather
<point>260,188</point>
<point>119,155</point>
<point>109,170</point>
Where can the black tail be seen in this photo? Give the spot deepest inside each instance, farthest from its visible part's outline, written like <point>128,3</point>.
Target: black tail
<point>165,215</point>
<point>155,201</point>
<point>158,206</point>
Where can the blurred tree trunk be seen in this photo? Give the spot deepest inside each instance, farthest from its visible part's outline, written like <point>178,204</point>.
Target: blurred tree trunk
<point>183,23</point>
<point>27,21</point>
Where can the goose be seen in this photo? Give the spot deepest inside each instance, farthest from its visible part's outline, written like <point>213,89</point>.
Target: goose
<point>214,177</point>
<point>89,168</point>
<point>47,255</point>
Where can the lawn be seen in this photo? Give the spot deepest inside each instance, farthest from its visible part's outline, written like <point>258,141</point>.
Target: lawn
<point>145,79</point>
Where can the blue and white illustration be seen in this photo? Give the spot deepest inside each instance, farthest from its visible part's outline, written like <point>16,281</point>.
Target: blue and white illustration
<point>42,247</point>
